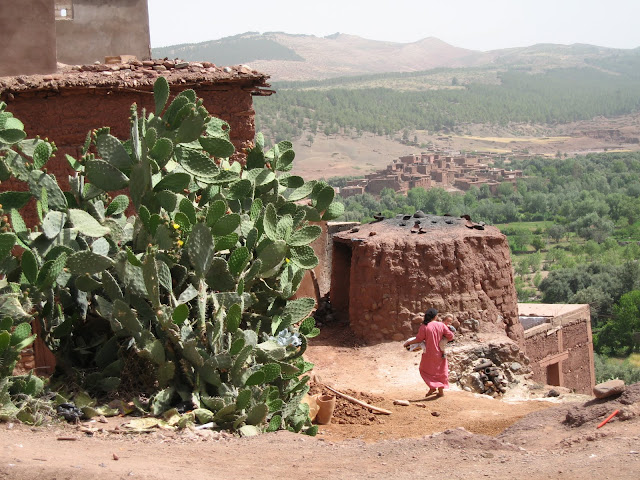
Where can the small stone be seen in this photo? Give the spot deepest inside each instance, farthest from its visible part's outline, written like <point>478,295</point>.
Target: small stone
<point>515,366</point>
<point>607,389</point>
<point>159,68</point>
<point>435,414</point>
<point>552,393</point>
<point>404,403</point>
<point>227,69</point>
<point>181,64</point>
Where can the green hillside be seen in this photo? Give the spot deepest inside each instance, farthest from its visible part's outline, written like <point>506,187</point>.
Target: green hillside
<point>235,50</point>
<point>447,99</point>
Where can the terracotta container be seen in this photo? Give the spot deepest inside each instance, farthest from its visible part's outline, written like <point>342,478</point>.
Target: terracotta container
<point>326,405</point>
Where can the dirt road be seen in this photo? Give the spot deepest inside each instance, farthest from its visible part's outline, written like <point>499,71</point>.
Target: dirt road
<point>459,436</point>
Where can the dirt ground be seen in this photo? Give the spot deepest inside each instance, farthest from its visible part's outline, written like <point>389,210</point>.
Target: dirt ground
<point>461,435</point>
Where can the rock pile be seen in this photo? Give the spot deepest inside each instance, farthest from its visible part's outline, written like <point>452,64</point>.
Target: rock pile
<point>487,368</point>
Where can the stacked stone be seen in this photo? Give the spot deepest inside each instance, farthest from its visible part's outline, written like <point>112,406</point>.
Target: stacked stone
<point>487,368</point>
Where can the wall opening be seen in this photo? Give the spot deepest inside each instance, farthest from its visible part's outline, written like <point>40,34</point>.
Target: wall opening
<point>341,280</point>
<point>64,10</point>
<point>553,374</point>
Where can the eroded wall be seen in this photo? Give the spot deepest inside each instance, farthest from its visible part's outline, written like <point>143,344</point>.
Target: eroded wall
<point>396,275</point>
<point>28,37</point>
<point>100,28</point>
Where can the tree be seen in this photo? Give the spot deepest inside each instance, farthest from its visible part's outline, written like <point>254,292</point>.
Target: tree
<point>538,243</point>
<point>556,232</point>
<point>621,333</point>
<point>310,139</point>
<point>505,189</point>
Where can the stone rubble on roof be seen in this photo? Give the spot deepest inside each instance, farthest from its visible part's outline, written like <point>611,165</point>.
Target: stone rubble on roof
<point>127,71</point>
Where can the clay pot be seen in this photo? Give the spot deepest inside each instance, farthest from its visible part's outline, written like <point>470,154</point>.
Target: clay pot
<point>326,405</point>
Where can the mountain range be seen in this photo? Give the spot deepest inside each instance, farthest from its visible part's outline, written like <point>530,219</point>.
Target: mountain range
<point>289,57</point>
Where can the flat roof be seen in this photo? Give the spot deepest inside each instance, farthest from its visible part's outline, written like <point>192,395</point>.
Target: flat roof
<point>548,309</point>
<point>134,74</point>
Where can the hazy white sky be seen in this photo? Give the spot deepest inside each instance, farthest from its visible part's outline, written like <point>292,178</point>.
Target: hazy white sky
<point>474,24</point>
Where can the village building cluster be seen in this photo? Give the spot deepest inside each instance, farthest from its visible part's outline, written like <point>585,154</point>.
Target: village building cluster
<point>431,169</point>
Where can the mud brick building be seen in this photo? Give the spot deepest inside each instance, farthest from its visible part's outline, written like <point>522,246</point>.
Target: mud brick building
<point>384,276</point>
<point>559,344</point>
<point>64,106</point>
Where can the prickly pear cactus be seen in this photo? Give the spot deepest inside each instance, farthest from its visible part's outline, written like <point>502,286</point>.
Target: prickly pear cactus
<point>196,281</point>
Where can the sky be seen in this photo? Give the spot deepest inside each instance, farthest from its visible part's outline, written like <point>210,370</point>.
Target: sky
<point>473,24</point>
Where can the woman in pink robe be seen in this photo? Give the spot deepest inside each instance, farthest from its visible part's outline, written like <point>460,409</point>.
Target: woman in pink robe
<point>434,368</point>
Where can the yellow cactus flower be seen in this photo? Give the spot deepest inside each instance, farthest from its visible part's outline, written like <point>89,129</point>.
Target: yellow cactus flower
<point>176,226</point>
<point>180,243</point>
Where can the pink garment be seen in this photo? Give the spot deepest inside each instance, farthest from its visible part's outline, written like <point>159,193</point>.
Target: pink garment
<point>434,369</point>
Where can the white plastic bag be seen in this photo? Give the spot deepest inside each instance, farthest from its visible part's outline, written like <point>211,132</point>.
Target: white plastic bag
<point>415,346</point>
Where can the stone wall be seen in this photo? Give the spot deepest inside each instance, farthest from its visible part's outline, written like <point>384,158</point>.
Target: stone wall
<point>561,349</point>
<point>99,28</point>
<point>384,277</point>
<point>28,37</point>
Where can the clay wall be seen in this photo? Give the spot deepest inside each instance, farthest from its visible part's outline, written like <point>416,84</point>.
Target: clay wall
<point>351,191</point>
<point>65,115</point>
<point>29,37</point>
<point>561,349</point>
<point>100,28</point>
<point>376,185</point>
<point>318,283</point>
<point>395,275</point>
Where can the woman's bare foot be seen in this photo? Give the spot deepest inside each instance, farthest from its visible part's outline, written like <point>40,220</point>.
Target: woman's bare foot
<point>440,392</point>
<point>430,392</point>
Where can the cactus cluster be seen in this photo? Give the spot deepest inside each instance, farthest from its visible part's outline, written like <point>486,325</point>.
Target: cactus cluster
<point>192,270</point>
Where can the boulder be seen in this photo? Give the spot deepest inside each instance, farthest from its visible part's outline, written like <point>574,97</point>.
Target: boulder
<point>607,389</point>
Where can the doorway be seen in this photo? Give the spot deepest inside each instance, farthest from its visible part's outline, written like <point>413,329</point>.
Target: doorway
<point>340,280</point>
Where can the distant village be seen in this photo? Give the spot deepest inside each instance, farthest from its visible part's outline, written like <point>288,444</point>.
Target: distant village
<point>428,170</point>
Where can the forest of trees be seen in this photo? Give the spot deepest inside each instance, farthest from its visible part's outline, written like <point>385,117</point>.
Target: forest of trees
<point>343,105</point>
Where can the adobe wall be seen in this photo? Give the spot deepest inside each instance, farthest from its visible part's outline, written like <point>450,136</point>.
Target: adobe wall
<point>28,37</point>
<point>318,283</point>
<point>395,275</point>
<point>100,28</point>
<point>63,107</point>
<point>564,339</point>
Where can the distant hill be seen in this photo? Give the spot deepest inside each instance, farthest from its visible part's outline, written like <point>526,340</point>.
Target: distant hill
<point>288,57</point>
<point>307,57</point>
<point>234,50</point>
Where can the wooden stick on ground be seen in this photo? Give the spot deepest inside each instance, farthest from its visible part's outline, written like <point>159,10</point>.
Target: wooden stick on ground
<point>360,402</point>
